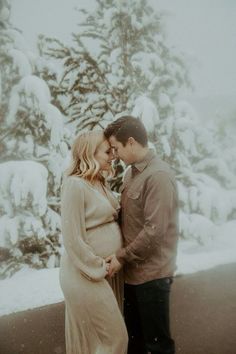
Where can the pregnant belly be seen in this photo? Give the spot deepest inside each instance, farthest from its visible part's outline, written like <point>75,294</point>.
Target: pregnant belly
<point>105,239</point>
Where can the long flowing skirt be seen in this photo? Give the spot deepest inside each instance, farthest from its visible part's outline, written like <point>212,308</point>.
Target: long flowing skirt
<point>94,322</point>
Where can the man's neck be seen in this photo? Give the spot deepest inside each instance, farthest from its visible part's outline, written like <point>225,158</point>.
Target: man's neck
<point>141,153</point>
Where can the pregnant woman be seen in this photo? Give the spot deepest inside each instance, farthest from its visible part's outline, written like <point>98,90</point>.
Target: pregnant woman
<point>94,323</point>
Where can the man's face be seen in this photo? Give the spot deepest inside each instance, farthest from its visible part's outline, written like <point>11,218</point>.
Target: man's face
<point>122,152</point>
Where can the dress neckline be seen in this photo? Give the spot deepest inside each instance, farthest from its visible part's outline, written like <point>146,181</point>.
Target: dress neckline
<point>98,192</point>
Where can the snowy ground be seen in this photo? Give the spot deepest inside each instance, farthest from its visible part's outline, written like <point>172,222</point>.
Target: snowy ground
<point>32,288</point>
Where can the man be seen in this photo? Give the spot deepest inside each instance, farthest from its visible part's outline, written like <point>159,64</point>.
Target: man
<point>149,225</point>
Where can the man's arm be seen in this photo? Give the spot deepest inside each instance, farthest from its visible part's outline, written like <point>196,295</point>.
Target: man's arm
<point>158,200</point>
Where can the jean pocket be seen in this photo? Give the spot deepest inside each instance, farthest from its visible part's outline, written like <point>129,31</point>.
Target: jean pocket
<point>164,283</point>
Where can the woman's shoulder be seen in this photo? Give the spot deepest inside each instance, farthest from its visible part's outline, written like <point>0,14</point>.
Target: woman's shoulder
<point>79,182</point>
<point>73,182</point>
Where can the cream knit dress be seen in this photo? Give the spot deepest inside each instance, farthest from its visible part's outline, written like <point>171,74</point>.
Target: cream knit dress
<point>94,323</point>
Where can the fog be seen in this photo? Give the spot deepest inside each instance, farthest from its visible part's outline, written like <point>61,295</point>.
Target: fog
<point>204,30</point>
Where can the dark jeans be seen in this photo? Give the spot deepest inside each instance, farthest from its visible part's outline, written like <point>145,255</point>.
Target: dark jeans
<point>146,310</point>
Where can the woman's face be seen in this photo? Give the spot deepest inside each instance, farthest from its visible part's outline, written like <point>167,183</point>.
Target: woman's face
<point>104,155</point>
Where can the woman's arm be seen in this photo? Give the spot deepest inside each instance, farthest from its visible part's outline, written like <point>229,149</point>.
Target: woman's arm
<point>74,231</point>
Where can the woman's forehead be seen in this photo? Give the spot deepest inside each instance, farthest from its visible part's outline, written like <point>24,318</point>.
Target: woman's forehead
<point>105,144</point>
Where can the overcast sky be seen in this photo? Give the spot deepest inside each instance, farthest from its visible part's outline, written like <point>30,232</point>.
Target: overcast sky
<point>204,29</point>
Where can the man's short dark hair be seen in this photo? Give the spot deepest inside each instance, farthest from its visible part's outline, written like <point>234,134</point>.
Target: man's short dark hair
<point>125,127</point>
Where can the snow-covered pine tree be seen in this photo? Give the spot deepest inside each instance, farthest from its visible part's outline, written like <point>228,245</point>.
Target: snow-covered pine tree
<point>121,63</point>
<point>32,156</point>
<point>206,183</point>
<point>119,53</point>
<point>225,127</point>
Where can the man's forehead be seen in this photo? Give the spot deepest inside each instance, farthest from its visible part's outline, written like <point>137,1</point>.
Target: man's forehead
<point>113,141</point>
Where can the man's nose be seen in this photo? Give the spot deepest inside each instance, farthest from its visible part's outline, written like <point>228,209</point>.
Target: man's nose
<point>114,154</point>
<point>111,156</point>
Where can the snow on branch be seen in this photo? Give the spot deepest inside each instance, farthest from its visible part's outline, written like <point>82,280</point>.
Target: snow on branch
<point>21,62</point>
<point>23,184</point>
<point>145,109</point>
<point>33,89</point>
<point>198,227</point>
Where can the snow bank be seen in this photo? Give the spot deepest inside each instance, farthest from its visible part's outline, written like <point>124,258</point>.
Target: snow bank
<point>30,288</point>
<point>221,249</point>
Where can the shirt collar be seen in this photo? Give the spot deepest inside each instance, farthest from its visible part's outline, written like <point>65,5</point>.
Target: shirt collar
<point>141,165</point>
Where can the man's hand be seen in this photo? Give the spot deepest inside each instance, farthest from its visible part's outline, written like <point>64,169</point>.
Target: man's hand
<point>107,267</point>
<point>115,265</point>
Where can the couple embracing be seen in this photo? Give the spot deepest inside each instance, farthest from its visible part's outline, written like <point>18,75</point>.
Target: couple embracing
<point>116,277</point>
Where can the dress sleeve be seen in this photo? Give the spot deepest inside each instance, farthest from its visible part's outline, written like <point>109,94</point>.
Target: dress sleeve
<point>74,231</point>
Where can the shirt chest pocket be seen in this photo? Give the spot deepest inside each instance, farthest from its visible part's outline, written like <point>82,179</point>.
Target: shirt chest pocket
<point>134,203</point>
<point>134,206</point>
<point>134,195</point>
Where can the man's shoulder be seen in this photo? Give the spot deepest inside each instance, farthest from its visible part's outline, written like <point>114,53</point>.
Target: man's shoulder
<point>158,172</point>
<point>157,165</point>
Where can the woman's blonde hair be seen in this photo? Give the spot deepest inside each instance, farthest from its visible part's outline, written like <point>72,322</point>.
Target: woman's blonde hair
<point>83,152</point>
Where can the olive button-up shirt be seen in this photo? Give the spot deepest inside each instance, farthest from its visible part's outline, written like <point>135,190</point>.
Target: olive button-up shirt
<point>149,221</point>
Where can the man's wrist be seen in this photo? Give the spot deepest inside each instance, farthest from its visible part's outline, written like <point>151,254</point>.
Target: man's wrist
<point>120,255</point>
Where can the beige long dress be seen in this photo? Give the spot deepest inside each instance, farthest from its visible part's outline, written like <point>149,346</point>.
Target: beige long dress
<point>94,323</point>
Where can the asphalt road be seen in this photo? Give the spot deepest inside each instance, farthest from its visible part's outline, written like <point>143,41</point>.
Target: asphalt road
<point>203,318</point>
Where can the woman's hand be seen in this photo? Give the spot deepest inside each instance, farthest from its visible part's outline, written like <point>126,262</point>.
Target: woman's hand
<point>114,265</point>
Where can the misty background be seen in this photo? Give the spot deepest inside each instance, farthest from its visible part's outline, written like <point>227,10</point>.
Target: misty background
<point>204,30</point>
